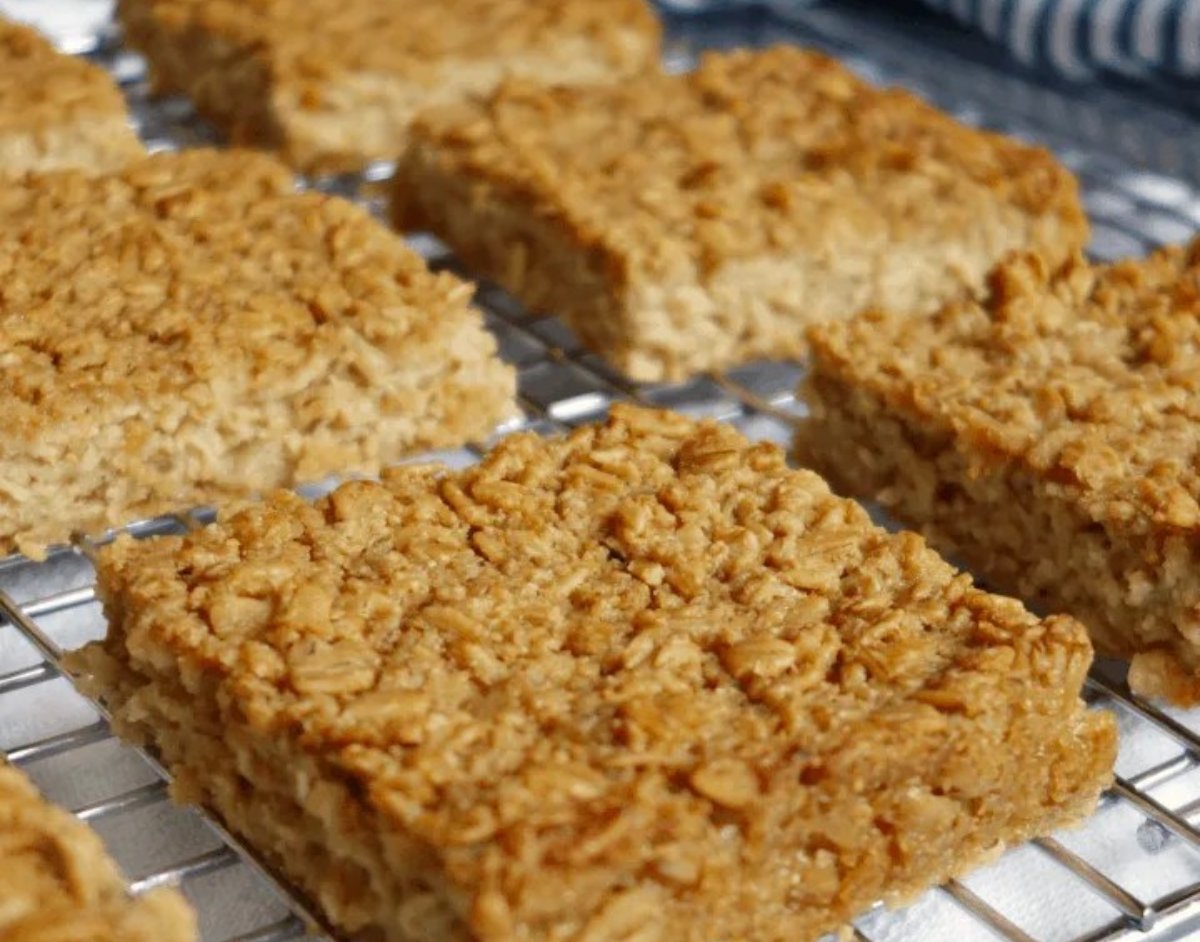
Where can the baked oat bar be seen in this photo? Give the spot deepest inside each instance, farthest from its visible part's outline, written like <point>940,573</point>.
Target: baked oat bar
<point>57,110</point>
<point>334,84</point>
<point>1049,435</point>
<point>191,328</point>
<point>685,223</point>
<point>641,683</point>
<point>58,885</point>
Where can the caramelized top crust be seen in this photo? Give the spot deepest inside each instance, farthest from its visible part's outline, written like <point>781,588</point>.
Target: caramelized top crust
<point>311,39</point>
<point>40,87</point>
<point>1088,376</point>
<point>755,151</point>
<point>185,275</point>
<point>59,884</point>
<point>607,655</point>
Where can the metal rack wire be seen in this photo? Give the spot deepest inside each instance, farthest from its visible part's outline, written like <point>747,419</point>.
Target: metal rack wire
<point>1132,873</point>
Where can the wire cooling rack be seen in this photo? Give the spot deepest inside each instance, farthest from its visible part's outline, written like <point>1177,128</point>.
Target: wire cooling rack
<point>1133,873</point>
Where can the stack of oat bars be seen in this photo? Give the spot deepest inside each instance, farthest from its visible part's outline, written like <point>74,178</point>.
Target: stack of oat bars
<point>645,681</point>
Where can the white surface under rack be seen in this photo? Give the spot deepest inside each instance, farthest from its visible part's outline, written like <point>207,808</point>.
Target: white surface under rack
<point>1133,873</point>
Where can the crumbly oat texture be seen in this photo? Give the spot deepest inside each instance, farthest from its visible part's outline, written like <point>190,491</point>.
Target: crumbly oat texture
<point>1051,436</point>
<point>57,110</point>
<point>334,84</point>
<point>691,222</point>
<point>58,885</point>
<point>642,683</point>
<point>192,329</point>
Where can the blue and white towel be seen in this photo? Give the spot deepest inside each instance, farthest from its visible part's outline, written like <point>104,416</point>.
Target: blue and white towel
<point>1072,37</point>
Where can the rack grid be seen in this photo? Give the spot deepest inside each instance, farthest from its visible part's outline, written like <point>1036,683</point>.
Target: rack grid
<point>1133,873</point>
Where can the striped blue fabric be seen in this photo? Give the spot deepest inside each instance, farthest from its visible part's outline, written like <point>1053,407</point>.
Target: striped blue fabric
<point>1072,37</point>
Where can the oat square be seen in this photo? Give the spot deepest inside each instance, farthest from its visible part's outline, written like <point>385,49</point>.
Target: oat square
<point>58,882</point>
<point>191,329</point>
<point>334,84</point>
<point>692,222</point>
<point>645,682</point>
<point>1050,436</point>
<point>57,110</point>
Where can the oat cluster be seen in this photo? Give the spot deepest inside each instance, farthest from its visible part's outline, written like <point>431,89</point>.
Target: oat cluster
<point>58,885</point>
<point>642,682</point>
<point>192,328</point>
